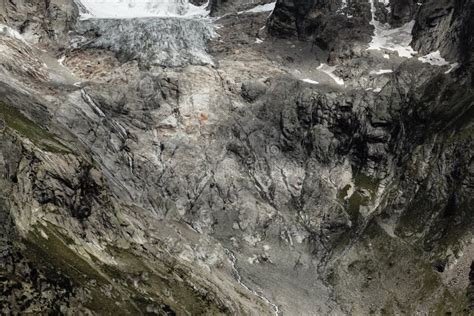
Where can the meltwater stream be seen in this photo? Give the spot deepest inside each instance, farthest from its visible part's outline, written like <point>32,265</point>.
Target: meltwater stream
<point>169,33</point>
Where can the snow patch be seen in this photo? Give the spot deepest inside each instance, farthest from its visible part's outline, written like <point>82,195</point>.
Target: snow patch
<point>61,60</point>
<point>380,72</point>
<point>329,70</point>
<point>435,59</point>
<point>252,259</point>
<point>269,7</point>
<point>309,81</point>
<point>396,39</point>
<point>5,30</point>
<point>453,66</point>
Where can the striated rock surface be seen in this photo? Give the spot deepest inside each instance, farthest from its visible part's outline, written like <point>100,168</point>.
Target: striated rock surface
<point>40,21</point>
<point>181,165</point>
<point>445,26</point>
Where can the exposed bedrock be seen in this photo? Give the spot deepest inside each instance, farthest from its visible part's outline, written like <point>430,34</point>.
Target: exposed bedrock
<point>342,25</point>
<point>39,21</point>
<point>446,26</point>
<point>156,168</point>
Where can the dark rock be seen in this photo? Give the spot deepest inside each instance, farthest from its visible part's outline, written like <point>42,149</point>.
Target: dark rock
<point>251,90</point>
<point>445,25</point>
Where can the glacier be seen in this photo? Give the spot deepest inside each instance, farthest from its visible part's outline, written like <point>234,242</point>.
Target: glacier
<point>122,9</point>
<point>169,33</point>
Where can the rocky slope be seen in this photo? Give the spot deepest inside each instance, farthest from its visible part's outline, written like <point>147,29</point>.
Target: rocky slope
<point>310,162</point>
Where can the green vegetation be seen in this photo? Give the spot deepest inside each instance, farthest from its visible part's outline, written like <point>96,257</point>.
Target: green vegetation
<point>363,185</point>
<point>127,288</point>
<point>54,257</point>
<point>365,182</point>
<point>342,194</point>
<point>169,281</point>
<point>17,122</point>
<point>425,284</point>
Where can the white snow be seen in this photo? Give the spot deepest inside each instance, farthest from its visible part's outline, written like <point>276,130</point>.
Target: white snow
<point>261,8</point>
<point>310,81</point>
<point>343,4</point>
<point>396,39</point>
<point>61,60</point>
<point>380,72</point>
<point>434,58</point>
<point>9,32</point>
<point>329,70</point>
<point>453,66</point>
<point>258,41</point>
<point>110,9</point>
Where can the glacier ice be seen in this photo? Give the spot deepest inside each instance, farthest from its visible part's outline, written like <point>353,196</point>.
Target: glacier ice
<point>169,33</point>
<point>107,9</point>
<point>171,42</point>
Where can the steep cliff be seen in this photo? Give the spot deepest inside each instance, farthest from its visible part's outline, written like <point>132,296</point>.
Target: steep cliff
<point>315,161</point>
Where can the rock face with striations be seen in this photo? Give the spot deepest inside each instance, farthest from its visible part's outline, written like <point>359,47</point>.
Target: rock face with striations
<point>332,25</point>
<point>40,21</point>
<point>445,26</point>
<point>180,172</point>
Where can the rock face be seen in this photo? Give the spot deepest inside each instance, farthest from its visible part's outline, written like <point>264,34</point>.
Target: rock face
<point>159,169</point>
<point>332,25</point>
<point>439,25</point>
<point>40,21</point>
<point>471,287</point>
<point>445,26</point>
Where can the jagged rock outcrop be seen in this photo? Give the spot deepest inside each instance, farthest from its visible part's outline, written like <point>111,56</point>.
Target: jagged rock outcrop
<point>471,287</point>
<point>38,21</point>
<point>445,26</point>
<point>138,179</point>
<point>335,26</point>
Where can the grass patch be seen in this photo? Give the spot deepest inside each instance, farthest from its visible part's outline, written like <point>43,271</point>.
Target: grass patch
<point>19,123</point>
<point>363,185</point>
<point>60,264</point>
<point>168,281</point>
<point>119,289</point>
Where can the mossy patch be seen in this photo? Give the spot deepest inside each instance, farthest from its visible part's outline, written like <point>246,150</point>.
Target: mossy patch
<point>169,281</point>
<point>51,254</point>
<point>19,123</point>
<point>365,192</point>
<point>368,183</point>
<point>396,263</point>
<point>342,194</point>
<point>131,287</point>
